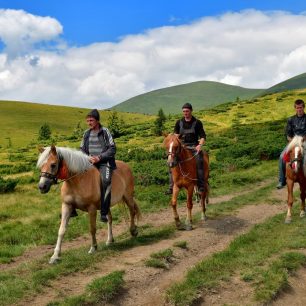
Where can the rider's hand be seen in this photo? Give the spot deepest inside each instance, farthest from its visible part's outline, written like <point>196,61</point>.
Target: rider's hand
<point>94,159</point>
<point>198,148</point>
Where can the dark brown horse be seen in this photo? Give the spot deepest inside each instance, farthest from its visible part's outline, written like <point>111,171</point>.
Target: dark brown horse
<point>182,162</point>
<point>295,172</point>
<point>81,190</point>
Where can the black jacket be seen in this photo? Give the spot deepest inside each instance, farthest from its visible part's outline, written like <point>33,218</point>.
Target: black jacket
<point>296,126</point>
<point>108,153</point>
<point>192,130</point>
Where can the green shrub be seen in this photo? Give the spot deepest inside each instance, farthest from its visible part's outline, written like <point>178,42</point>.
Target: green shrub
<point>7,185</point>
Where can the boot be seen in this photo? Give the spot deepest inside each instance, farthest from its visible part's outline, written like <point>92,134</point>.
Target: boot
<point>200,172</point>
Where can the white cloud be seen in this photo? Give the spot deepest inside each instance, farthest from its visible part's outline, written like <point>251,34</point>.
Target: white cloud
<point>249,48</point>
<point>19,30</point>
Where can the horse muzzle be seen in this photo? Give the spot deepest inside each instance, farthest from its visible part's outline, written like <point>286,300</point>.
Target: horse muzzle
<point>44,185</point>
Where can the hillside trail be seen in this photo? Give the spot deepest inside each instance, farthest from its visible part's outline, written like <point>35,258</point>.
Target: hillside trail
<point>147,286</point>
<point>161,217</point>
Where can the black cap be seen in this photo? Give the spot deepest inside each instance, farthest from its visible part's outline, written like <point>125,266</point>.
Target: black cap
<point>187,105</point>
<point>94,113</point>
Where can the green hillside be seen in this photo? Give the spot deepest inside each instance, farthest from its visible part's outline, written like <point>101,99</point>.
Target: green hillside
<point>203,94</point>
<point>297,82</point>
<point>20,121</point>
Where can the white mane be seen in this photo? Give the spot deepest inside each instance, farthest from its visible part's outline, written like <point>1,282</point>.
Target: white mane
<point>77,161</point>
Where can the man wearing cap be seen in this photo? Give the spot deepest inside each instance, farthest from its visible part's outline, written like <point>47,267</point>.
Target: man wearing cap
<point>193,135</point>
<point>98,143</point>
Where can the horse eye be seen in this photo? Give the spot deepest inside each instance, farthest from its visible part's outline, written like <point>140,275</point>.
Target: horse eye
<point>53,166</point>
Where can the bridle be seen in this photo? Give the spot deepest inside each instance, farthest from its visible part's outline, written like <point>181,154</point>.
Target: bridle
<point>51,176</point>
<point>179,162</point>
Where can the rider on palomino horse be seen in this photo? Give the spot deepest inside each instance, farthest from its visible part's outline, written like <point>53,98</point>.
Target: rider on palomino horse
<point>296,126</point>
<point>98,143</point>
<point>192,135</point>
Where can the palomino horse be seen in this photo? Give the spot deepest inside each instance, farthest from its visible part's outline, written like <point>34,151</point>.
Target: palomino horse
<point>182,162</point>
<point>295,172</point>
<point>81,189</point>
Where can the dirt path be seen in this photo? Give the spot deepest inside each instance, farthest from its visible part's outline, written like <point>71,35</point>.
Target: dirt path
<point>159,218</point>
<point>147,286</point>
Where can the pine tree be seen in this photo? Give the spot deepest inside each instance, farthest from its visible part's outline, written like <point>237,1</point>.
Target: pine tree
<point>115,124</point>
<point>159,122</point>
<point>44,132</point>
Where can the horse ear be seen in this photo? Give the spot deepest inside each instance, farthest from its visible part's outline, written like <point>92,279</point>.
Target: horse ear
<point>53,149</point>
<point>165,134</point>
<point>41,149</point>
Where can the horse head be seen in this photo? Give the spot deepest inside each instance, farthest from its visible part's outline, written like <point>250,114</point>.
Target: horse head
<point>49,164</point>
<point>295,153</point>
<point>174,148</point>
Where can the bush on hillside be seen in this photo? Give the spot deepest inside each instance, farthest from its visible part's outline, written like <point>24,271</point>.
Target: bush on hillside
<point>7,185</point>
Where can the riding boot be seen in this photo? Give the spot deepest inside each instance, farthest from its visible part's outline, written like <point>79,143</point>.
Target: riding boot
<point>200,171</point>
<point>106,174</point>
<point>105,202</point>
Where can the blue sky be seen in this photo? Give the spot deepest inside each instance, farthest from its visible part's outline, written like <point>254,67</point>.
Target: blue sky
<point>99,53</point>
<point>89,21</point>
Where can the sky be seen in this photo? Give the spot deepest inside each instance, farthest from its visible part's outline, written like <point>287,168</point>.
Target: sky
<point>98,53</point>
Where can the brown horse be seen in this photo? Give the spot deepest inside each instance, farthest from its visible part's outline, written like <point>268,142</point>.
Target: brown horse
<point>81,189</point>
<point>295,172</point>
<point>181,160</point>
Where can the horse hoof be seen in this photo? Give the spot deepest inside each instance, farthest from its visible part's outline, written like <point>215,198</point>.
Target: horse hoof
<point>54,261</point>
<point>188,227</point>
<point>92,250</point>
<point>302,214</point>
<point>203,218</point>
<point>287,221</point>
<point>134,232</point>
<point>110,242</point>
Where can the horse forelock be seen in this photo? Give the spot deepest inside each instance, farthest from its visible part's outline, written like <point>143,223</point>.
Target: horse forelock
<point>296,141</point>
<point>76,160</point>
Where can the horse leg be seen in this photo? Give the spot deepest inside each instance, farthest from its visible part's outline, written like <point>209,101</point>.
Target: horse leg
<point>134,212</point>
<point>189,208</point>
<point>203,206</point>
<point>110,238</point>
<point>66,211</point>
<point>174,207</point>
<point>93,228</point>
<point>290,184</point>
<point>303,195</point>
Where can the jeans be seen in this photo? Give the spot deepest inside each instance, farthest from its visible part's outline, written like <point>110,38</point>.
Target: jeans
<point>282,168</point>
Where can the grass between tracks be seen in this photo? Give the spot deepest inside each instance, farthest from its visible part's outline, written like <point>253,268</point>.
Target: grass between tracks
<point>264,258</point>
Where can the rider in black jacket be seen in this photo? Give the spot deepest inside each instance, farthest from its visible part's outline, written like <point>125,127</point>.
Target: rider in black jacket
<point>296,126</point>
<point>193,136</point>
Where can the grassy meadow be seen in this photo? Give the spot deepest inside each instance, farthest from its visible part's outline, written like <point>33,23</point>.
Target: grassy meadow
<point>244,140</point>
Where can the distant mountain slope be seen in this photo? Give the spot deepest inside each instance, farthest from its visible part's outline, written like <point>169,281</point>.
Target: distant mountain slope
<point>201,95</point>
<point>20,121</point>
<point>297,82</point>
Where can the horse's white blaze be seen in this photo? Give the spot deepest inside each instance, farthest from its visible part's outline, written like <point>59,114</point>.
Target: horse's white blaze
<point>170,151</point>
<point>42,180</point>
<point>296,152</point>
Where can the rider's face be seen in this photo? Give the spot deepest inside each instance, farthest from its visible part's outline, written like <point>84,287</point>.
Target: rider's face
<point>299,110</point>
<point>187,113</point>
<point>92,122</point>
